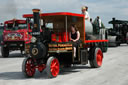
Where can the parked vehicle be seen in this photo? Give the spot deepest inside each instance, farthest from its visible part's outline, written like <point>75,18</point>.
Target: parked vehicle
<point>15,36</point>
<point>119,33</point>
<point>51,48</point>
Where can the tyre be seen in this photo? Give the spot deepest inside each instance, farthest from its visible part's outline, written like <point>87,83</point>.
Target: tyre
<point>4,52</point>
<point>28,67</point>
<point>52,67</point>
<point>96,58</point>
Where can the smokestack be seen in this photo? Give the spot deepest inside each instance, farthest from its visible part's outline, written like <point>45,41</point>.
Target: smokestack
<point>36,16</point>
<point>114,25</point>
<point>36,28</point>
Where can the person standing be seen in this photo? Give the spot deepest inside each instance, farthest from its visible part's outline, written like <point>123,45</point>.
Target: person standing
<point>91,21</point>
<point>99,22</point>
<point>97,25</point>
<point>85,12</point>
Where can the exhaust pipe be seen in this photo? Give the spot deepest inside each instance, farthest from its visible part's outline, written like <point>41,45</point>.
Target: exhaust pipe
<point>37,48</point>
<point>36,27</point>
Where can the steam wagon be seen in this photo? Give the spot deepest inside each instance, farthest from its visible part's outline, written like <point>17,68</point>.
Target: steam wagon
<point>52,48</point>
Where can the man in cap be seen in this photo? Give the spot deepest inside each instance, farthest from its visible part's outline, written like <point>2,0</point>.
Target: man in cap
<point>84,10</point>
<point>98,24</point>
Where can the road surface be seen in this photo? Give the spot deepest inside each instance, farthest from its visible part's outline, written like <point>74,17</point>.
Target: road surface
<point>114,71</point>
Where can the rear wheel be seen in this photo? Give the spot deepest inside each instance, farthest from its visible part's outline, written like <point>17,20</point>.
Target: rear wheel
<point>96,58</point>
<point>4,52</point>
<point>28,67</point>
<point>52,67</point>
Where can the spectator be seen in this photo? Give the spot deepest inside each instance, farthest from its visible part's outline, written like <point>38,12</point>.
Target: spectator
<point>91,21</point>
<point>85,12</point>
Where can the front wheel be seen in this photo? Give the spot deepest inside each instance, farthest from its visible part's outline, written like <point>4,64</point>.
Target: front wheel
<point>4,52</point>
<point>28,67</point>
<point>96,58</point>
<point>52,67</point>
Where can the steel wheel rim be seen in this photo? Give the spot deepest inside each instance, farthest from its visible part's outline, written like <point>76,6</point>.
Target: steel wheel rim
<point>99,57</point>
<point>55,67</point>
<point>30,68</point>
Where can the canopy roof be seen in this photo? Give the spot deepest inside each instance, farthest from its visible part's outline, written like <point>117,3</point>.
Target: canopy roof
<point>117,22</point>
<point>55,14</point>
<point>16,20</point>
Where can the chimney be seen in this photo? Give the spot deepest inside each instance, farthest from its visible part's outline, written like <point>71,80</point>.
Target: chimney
<point>36,17</point>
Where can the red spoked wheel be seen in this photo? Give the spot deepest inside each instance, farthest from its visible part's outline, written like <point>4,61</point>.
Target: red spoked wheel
<point>52,67</point>
<point>55,67</point>
<point>28,67</point>
<point>99,57</point>
<point>96,58</point>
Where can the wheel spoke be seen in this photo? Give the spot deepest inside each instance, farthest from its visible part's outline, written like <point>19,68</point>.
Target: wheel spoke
<point>99,58</point>
<point>54,67</point>
<point>30,68</point>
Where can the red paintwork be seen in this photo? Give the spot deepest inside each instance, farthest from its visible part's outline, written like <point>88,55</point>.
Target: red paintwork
<point>24,32</point>
<point>54,14</point>
<point>91,41</point>
<point>54,67</point>
<point>66,14</point>
<point>30,67</point>
<point>41,67</point>
<point>61,37</point>
<point>99,57</point>
<point>53,37</point>
<point>18,21</point>
<point>64,36</point>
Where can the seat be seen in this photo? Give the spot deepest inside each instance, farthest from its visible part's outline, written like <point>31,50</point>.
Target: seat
<point>64,36</point>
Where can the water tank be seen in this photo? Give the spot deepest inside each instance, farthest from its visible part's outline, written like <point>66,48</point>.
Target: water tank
<point>88,27</point>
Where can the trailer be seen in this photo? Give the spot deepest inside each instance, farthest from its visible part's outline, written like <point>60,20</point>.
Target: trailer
<point>15,36</point>
<point>52,48</point>
<point>119,33</point>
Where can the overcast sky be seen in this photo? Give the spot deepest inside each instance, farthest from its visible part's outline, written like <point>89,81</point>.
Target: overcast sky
<point>106,9</point>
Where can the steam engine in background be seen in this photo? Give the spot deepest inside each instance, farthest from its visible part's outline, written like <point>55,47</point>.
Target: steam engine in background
<point>119,33</point>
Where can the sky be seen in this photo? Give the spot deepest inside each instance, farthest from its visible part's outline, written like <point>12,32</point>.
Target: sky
<point>106,9</point>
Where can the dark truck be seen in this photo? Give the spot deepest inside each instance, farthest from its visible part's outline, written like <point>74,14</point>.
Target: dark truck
<point>119,33</point>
